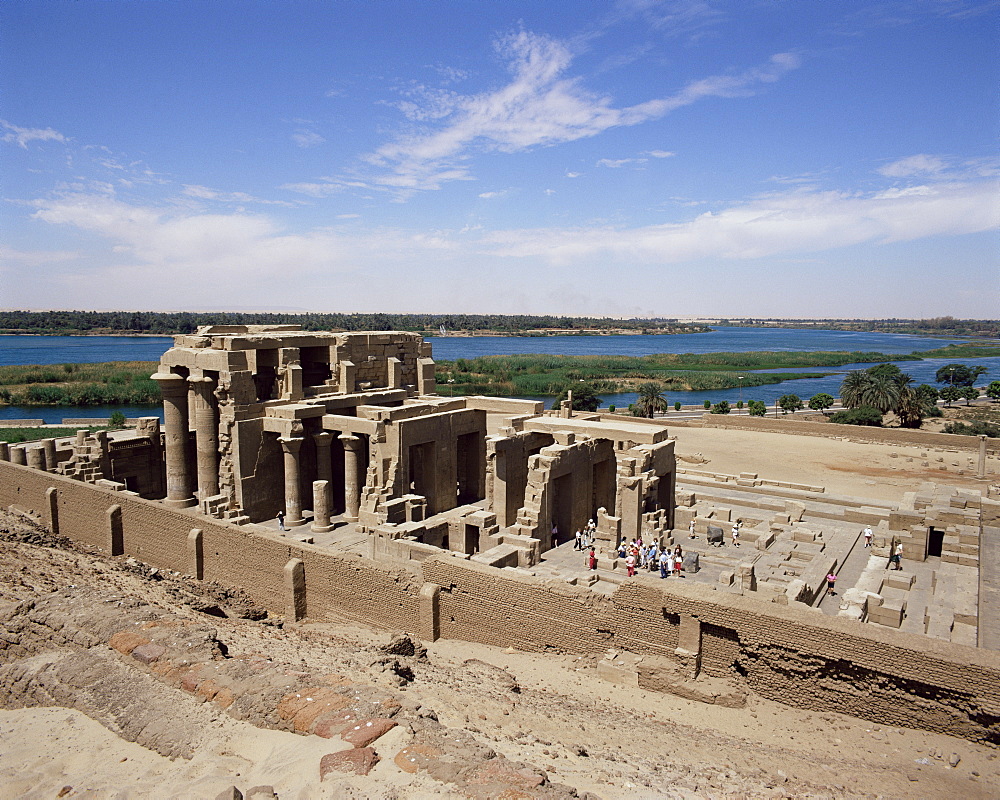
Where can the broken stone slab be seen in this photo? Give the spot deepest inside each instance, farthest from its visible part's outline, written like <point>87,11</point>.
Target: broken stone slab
<point>366,731</point>
<point>359,761</point>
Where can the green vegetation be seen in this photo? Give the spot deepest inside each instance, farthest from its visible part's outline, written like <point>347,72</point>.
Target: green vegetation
<point>757,408</point>
<point>958,374</point>
<point>650,400</point>
<point>584,398</point>
<point>722,407</point>
<point>974,428</point>
<point>862,415</point>
<point>937,326</point>
<point>821,401</point>
<point>166,324</point>
<point>16,435</point>
<point>112,383</point>
<point>886,389</point>
<point>993,390</point>
<point>790,403</point>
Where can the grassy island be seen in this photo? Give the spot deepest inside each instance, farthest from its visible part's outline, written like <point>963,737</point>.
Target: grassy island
<point>128,382</point>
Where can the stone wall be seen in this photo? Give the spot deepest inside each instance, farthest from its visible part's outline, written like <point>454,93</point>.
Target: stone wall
<point>901,437</point>
<point>793,655</point>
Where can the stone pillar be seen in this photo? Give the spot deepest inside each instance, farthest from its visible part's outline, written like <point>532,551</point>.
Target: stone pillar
<point>18,456</point>
<point>116,533</point>
<point>4,451</point>
<point>688,650</point>
<point>352,481</point>
<point>175,423</point>
<point>52,498</point>
<point>36,458</point>
<point>324,468</point>
<point>50,454</point>
<point>394,370</point>
<point>196,553</point>
<point>295,590</point>
<point>293,495</point>
<point>206,432</point>
<point>347,373</point>
<point>429,610</point>
<point>981,472</point>
<point>321,507</point>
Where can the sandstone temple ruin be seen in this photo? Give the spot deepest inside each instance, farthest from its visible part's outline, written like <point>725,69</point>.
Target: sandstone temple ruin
<point>454,517</point>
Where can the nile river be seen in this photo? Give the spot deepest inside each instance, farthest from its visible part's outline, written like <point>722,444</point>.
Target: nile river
<point>66,349</point>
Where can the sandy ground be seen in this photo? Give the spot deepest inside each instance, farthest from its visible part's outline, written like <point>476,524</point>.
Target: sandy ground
<point>583,732</point>
<point>842,467</point>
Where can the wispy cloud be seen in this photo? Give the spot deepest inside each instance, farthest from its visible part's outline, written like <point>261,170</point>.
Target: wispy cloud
<point>921,164</point>
<point>660,153</point>
<point>205,193</point>
<point>617,163</point>
<point>539,106</point>
<point>306,138</point>
<point>22,136</point>
<point>780,223</point>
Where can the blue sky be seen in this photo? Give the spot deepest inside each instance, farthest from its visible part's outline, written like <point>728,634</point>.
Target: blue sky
<point>786,158</point>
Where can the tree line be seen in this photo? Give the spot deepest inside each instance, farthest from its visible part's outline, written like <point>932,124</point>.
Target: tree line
<point>181,322</point>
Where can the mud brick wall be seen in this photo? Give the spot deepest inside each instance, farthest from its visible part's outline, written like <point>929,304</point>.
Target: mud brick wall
<point>794,656</point>
<point>232,555</point>
<point>483,604</point>
<point>371,592</point>
<point>892,436</point>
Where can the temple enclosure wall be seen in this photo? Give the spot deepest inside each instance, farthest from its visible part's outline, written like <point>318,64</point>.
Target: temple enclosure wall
<point>901,437</point>
<point>785,653</point>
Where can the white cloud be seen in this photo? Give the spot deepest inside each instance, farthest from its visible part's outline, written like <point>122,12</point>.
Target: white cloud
<point>305,138</point>
<point>661,153</point>
<point>313,189</point>
<point>573,174</point>
<point>491,195</point>
<point>791,222</point>
<point>539,106</point>
<point>921,164</point>
<point>617,163</point>
<point>21,136</point>
<point>205,193</point>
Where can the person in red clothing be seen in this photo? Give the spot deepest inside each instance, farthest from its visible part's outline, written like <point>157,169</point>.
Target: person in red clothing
<point>630,563</point>
<point>592,559</point>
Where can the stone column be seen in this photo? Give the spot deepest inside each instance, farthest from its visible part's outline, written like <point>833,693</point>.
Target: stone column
<point>175,423</point>
<point>324,469</point>
<point>36,458</point>
<point>50,454</point>
<point>321,507</point>
<point>352,467</point>
<point>206,433</point>
<point>18,456</point>
<point>4,451</point>
<point>981,472</point>
<point>293,496</point>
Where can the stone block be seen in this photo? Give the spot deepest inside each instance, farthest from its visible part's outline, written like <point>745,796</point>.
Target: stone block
<point>148,653</point>
<point>366,731</point>
<point>359,761</point>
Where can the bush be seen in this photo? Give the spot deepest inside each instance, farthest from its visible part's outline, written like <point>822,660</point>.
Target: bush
<point>739,404</point>
<point>993,390</point>
<point>821,401</point>
<point>116,420</point>
<point>758,408</point>
<point>611,408</point>
<point>863,415</point>
<point>975,428</point>
<point>722,407</point>
<point>677,405</point>
<point>708,404</point>
<point>789,402</point>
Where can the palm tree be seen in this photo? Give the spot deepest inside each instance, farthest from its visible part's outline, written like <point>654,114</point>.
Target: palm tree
<point>852,389</point>
<point>650,400</point>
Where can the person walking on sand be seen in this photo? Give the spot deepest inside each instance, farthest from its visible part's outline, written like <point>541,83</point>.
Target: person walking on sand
<point>897,556</point>
<point>868,535</point>
<point>665,560</point>
<point>736,533</point>
<point>281,520</point>
<point>691,529</point>
<point>831,582</point>
<point>592,559</point>
<point>578,544</point>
